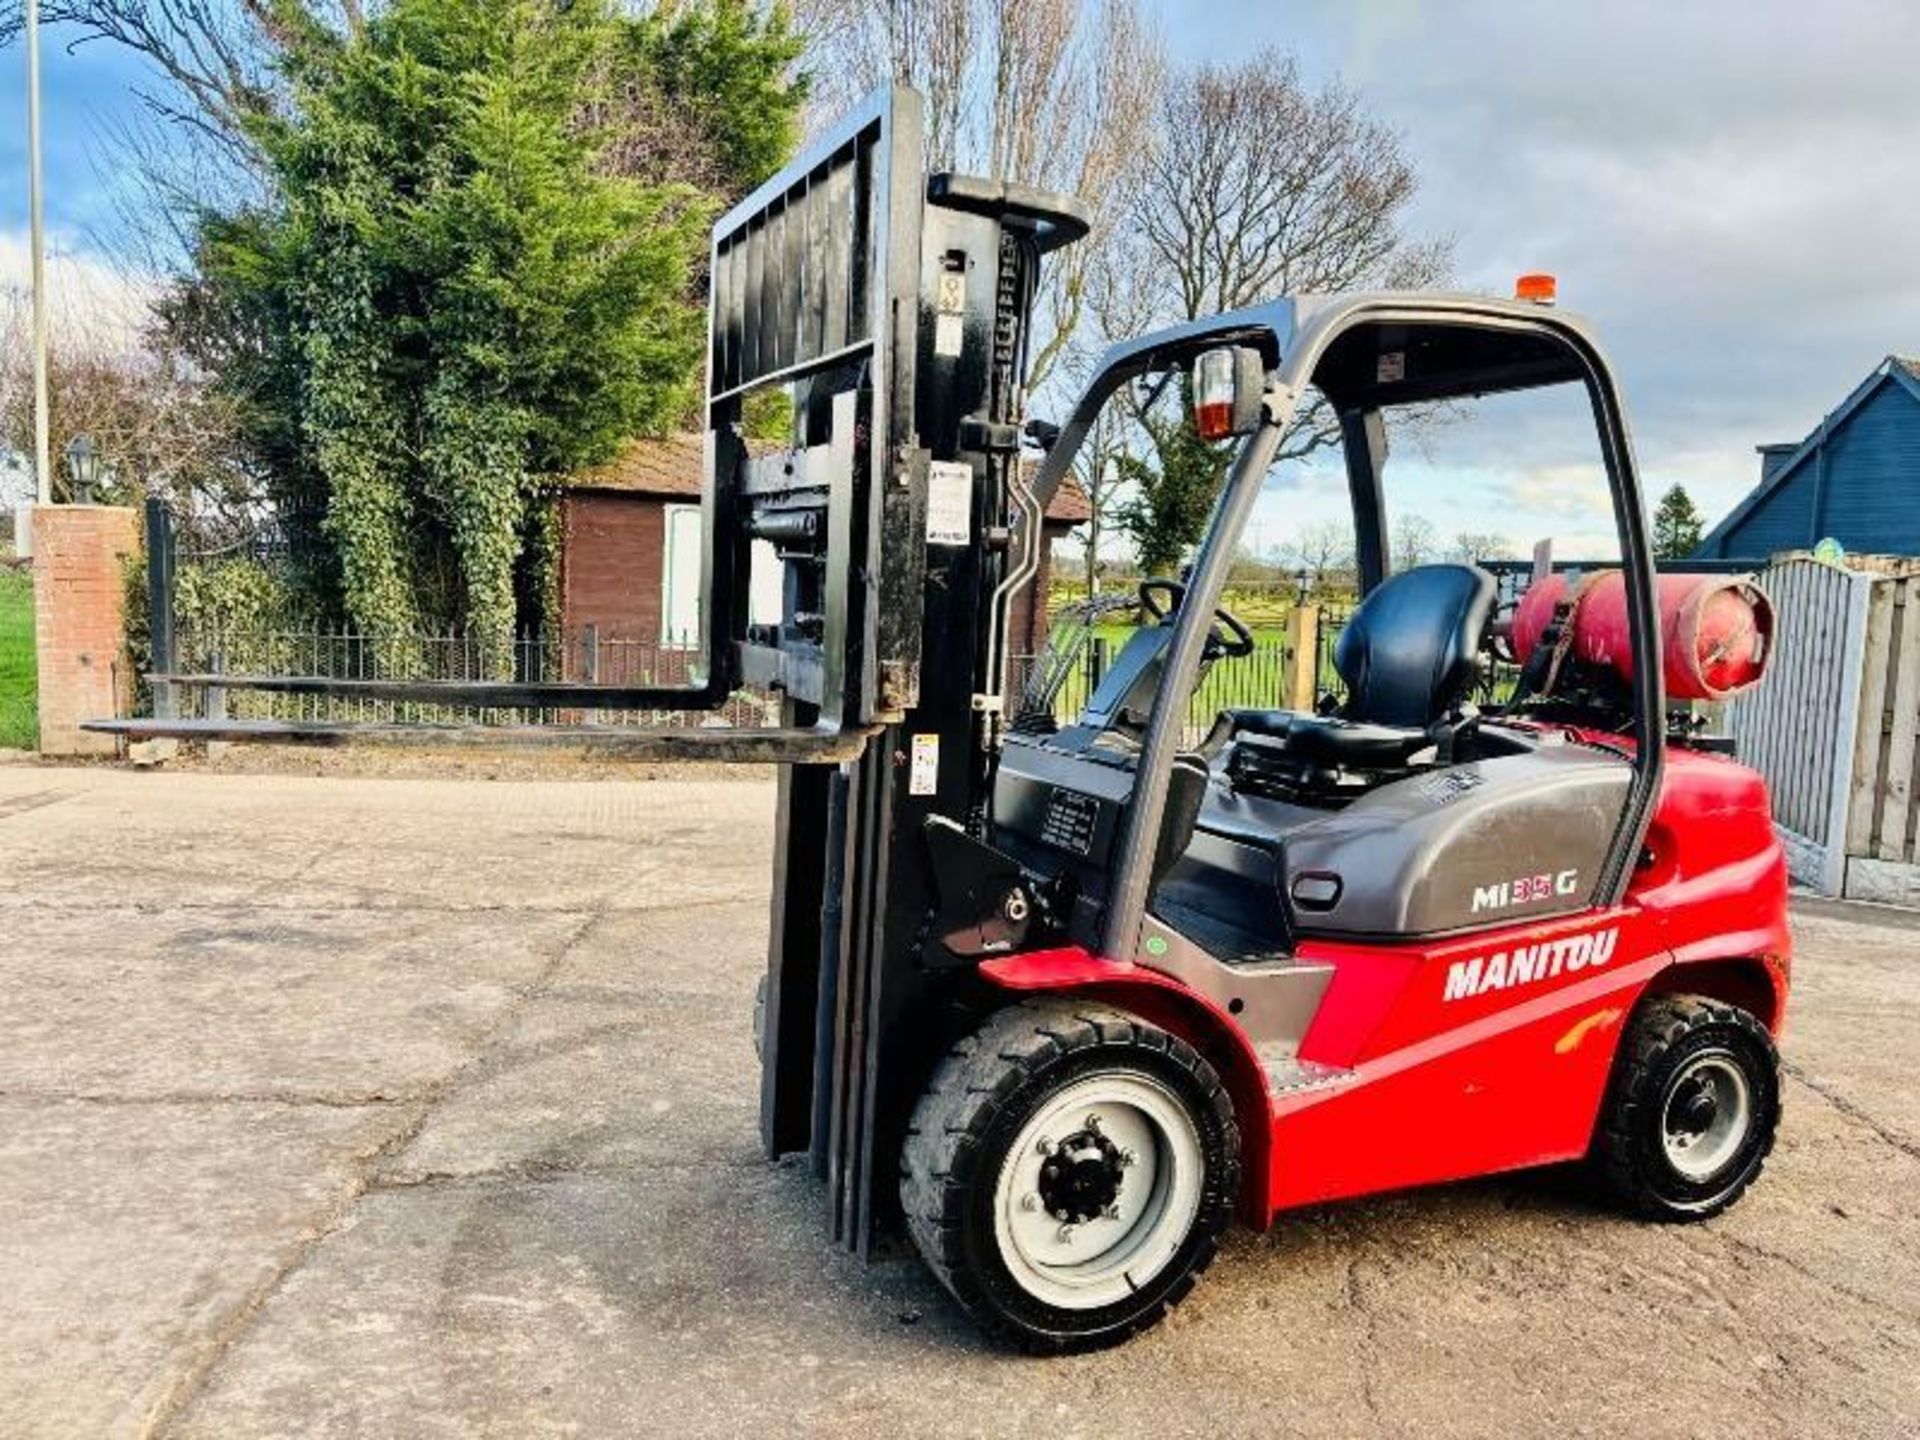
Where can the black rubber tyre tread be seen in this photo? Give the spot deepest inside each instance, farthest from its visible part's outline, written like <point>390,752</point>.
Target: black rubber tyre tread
<point>1629,1118</point>
<point>1018,1048</point>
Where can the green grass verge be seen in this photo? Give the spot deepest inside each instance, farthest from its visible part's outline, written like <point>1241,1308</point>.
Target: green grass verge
<point>19,727</point>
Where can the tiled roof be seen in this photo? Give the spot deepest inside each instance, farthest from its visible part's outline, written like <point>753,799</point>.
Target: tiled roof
<point>1069,505</point>
<point>673,467</point>
<point>669,466</point>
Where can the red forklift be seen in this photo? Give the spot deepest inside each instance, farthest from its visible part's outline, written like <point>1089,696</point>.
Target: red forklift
<point>1052,999</point>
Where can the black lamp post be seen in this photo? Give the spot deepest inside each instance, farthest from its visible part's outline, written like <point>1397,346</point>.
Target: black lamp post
<point>83,464</point>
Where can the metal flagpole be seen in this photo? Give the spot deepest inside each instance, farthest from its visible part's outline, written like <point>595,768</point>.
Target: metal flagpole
<point>37,243</point>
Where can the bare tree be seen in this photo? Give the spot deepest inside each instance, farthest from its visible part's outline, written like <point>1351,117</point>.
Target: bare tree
<point>1324,551</point>
<point>157,425</point>
<point>1472,546</point>
<point>1051,93</point>
<point>1260,186</point>
<point>1097,468</point>
<point>1264,187</point>
<point>1255,186</point>
<point>1415,541</point>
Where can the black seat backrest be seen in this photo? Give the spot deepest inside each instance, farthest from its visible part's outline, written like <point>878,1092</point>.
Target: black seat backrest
<point>1408,653</point>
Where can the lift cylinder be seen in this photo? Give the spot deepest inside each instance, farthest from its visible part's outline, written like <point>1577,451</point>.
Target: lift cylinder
<point>1716,631</point>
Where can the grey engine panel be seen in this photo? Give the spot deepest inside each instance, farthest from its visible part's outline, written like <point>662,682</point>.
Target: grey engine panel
<point>1413,856</point>
<point>1479,844</point>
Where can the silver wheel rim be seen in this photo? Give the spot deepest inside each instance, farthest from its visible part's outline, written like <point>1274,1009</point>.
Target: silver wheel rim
<point>1706,1116</point>
<point>1081,1265</point>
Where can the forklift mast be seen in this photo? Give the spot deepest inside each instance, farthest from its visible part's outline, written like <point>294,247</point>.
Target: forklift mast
<point>864,572</point>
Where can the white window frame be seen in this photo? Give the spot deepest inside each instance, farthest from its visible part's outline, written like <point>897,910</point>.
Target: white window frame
<point>672,520</point>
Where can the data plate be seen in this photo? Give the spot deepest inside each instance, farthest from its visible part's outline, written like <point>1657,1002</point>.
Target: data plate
<point>1071,820</point>
<point>949,503</point>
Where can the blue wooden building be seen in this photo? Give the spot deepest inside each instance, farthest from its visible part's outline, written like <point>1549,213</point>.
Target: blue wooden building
<point>1855,478</point>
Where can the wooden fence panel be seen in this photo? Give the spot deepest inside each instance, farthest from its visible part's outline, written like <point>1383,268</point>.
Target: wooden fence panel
<point>1798,728</point>
<point>1896,783</point>
<point>1871,732</point>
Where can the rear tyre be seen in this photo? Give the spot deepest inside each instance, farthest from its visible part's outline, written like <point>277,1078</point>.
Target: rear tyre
<point>1692,1110</point>
<point>1068,1172</point>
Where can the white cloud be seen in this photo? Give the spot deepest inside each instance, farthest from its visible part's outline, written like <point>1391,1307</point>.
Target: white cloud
<point>94,306</point>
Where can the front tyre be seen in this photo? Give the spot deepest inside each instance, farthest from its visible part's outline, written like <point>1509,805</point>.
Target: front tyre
<point>1068,1172</point>
<point>1692,1109</point>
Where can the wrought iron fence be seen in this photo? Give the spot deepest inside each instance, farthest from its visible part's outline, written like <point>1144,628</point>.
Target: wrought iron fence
<point>1254,681</point>
<point>1334,615</point>
<point>275,643</point>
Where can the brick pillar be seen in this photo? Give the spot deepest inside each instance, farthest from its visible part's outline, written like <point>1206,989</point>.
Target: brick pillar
<point>79,557</point>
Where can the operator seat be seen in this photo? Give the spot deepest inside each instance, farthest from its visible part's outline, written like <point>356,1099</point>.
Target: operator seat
<point>1409,655</point>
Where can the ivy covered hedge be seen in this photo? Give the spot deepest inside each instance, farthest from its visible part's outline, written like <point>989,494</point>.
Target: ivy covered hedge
<point>479,269</point>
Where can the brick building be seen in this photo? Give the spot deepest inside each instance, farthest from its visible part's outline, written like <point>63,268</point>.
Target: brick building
<point>630,553</point>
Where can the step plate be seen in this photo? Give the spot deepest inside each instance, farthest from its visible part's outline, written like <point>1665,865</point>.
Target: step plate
<point>1273,1000</point>
<point>1290,1075</point>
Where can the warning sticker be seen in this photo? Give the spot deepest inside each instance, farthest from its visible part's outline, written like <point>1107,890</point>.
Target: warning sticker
<point>949,503</point>
<point>924,778</point>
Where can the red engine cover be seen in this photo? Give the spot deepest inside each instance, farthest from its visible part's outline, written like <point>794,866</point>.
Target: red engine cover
<point>1716,631</point>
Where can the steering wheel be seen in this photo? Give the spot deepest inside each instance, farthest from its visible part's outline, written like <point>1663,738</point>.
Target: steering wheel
<point>1162,597</point>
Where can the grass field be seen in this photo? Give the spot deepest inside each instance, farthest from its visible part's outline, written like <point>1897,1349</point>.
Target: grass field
<point>18,727</point>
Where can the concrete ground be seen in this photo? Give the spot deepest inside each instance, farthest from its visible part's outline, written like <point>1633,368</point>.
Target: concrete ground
<point>402,1107</point>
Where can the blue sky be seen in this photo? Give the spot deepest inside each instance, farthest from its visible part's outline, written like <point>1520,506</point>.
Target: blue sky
<point>1730,189</point>
<point>83,91</point>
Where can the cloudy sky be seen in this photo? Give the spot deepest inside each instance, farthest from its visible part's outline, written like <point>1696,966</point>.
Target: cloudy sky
<point>1729,188</point>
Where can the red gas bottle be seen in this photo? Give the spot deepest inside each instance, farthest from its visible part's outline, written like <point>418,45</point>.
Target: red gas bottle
<point>1716,631</point>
